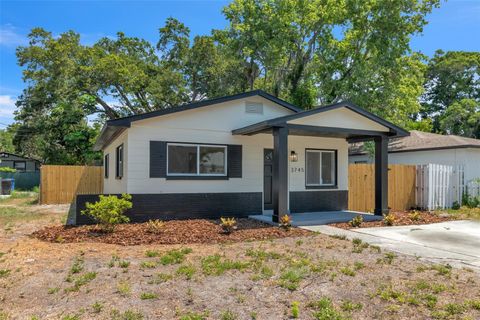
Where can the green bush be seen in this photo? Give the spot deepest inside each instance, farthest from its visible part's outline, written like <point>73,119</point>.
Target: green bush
<point>455,205</point>
<point>7,169</point>
<point>356,221</point>
<point>109,211</point>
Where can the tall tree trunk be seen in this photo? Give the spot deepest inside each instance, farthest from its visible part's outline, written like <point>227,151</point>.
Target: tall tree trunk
<point>111,114</point>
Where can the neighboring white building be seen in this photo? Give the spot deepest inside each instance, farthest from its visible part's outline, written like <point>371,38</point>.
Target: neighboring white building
<point>237,155</point>
<point>424,148</point>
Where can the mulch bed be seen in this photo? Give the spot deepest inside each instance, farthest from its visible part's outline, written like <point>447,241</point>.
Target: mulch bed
<point>174,232</point>
<point>402,218</point>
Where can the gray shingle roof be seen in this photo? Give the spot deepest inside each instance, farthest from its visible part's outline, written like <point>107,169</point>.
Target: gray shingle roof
<point>418,140</point>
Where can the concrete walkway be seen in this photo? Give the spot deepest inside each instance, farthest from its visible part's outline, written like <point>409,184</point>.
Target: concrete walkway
<point>455,242</point>
<point>320,218</point>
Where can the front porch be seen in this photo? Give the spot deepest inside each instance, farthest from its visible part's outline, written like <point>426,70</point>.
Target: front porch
<point>343,121</point>
<point>319,218</point>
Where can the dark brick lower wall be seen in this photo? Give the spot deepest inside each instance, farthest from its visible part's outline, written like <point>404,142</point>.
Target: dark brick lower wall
<point>182,206</point>
<point>311,201</point>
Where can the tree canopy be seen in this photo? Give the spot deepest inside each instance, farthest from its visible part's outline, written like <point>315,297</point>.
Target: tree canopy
<point>306,52</point>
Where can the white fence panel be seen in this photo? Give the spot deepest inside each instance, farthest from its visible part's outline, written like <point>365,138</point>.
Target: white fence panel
<point>439,186</point>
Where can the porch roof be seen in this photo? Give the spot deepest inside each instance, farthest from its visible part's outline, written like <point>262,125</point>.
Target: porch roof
<point>294,128</point>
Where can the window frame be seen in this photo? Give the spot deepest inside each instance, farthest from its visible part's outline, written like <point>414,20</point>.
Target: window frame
<point>198,174</point>
<point>118,174</point>
<point>106,165</point>
<point>333,185</point>
<point>20,161</point>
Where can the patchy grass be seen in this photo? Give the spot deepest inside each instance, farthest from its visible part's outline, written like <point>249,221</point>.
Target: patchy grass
<point>148,296</point>
<point>187,270</point>
<point>463,213</point>
<point>174,256</point>
<point>230,280</point>
<point>217,265</point>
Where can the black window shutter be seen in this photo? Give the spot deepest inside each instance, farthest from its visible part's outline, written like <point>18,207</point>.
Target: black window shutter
<point>158,159</point>
<point>234,161</point>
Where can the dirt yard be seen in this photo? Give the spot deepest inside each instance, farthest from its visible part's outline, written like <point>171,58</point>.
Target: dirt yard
<point>308,277</point>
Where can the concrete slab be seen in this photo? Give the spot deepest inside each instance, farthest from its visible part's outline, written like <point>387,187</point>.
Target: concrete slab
<point>455,242</point>
<point>320,218</point>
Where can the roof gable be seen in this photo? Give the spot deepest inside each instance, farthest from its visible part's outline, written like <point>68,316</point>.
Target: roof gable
<point>127,120</point>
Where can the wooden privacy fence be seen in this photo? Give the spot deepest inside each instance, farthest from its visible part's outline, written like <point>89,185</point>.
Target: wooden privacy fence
<point>361,187</point>
<point>60,184</point>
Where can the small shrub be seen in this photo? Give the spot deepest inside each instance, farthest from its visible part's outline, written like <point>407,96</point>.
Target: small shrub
<point>389,219</point>
<point>415,215</point>
<point>285,222</point>
<point>148,296</point>
<point>109,211</point>
<point>356,221</point>
<point>228,225</point>
<point>155,226</point>
<point>295,310</point>
<point>455,205</point>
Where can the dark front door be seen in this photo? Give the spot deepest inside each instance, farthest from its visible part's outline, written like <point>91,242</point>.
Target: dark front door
<point>267,179</point>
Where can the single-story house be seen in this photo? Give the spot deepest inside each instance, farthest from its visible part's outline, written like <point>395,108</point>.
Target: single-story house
<point>248,153</point>
<point>20,163</point>
<point>423,148</point>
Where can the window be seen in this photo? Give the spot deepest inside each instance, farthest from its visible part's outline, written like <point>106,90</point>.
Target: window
<point>196,160</point>
<point>20,165</point>
<point>106,165</point>
<point>320,168</point>
<point>119,163</point>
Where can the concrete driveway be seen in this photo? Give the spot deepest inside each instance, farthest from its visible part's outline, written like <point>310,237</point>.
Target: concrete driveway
<point>453,242</point>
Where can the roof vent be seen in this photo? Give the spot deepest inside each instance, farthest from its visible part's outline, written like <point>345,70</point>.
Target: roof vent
<point>253,107</point>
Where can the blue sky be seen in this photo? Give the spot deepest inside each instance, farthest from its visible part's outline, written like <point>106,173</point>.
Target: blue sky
<point>455,26</point>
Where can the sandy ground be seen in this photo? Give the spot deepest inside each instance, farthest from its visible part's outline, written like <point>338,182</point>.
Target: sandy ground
<point>37,279</point>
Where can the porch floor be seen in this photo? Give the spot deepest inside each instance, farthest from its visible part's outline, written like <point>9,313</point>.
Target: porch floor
<point>319,218</point>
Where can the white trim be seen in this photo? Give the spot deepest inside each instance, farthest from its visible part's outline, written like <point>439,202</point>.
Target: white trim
<point>334,163</point>
<point>198,173</point>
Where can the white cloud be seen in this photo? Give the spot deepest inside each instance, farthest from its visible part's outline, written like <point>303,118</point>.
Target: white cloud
<point>10,37</point>
<point>7,106</point>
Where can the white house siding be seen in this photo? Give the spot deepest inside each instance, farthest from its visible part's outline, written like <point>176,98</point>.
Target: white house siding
<point>112,184</point>
<point>468,157</point>
<point>340,118</point>
<point>211,124</point>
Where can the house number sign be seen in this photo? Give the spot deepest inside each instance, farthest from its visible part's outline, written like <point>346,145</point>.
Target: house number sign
<point>297,169</point>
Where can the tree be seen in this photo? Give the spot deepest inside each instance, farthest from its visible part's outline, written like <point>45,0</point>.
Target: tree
<point>324,51</point>
<point>6,140</point>
<point>462,118</point>
<point>450,78</point>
